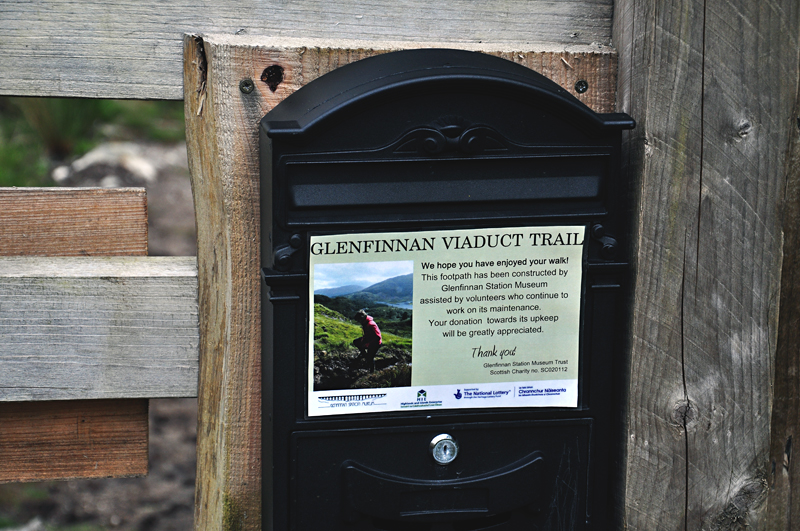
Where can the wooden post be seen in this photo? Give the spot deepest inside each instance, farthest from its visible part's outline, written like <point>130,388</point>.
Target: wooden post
<point>712,86</point>
<point>222,135</point>
<point>784,501</point>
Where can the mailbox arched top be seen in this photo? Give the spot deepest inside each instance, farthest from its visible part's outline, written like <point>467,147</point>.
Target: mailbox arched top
<point>474,134</point>
<point>385,77</point>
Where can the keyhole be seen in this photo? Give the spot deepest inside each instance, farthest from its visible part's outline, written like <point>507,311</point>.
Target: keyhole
<point>444,449</point>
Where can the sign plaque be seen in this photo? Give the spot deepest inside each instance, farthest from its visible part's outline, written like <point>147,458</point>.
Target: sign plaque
<point>470,318</point>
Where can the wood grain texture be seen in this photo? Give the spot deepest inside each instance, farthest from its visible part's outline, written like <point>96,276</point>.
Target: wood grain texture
<point>303,61</point>
<point>91,328</point>
<point>73,221</point>
<point>221,128</point>
<point>783,511</point>
<point>129,455</point>
<point>124,49</point>
<point>222,137</point>
<point>712,85</point>
<point>73,440</point>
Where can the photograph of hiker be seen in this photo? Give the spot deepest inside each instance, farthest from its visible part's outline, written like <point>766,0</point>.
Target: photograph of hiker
<point>362,322</point>
<point>370,341</point>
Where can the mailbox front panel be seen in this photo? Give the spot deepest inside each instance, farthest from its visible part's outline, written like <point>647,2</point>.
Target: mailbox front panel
<point>514,472</point>
<point>445,241</point>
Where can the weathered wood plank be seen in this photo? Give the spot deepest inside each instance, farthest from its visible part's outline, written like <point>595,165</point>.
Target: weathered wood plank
<point>72,440</point>
<point>73,221</point>
<point>303,61</point>
<point>222,137</point>
<point>712,86</point>
<point>130,454</point>
<point>123,49</point>
<point>783,510</point>
<point>90,328</point>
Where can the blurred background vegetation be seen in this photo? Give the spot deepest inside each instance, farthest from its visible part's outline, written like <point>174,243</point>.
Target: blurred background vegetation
<point>16,499</point>
<point>37,134</point>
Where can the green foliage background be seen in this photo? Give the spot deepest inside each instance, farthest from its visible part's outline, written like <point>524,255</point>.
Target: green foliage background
<point>17,498</point>
<point>38,133</point>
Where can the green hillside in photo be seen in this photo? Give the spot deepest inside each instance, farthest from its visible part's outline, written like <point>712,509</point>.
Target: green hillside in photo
<point>337,363</point>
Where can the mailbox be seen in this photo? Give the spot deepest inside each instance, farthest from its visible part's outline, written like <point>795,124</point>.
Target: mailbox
<point>444,245</point>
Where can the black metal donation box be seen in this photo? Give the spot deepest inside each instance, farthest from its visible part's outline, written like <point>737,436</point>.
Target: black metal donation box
<point>444,252</point>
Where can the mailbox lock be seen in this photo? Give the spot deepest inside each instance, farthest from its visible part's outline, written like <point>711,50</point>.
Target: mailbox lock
<point>444,449</point>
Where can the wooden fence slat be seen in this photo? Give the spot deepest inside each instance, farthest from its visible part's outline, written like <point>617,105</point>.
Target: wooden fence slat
<point>123,49</point>
<point>222,137</point>
<point>712,85</point>
<point>73,222</point>
<point>43,234</point>
<point>90,328</point>
<point>73,440</point>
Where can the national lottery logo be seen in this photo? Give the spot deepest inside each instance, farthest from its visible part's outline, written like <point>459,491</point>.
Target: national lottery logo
<point>477,393</point>
<point>458,394</point>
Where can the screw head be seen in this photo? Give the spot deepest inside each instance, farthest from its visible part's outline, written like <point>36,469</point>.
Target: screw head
<point>247,85</point>
<point>581,86</point>
<point>609,251</point>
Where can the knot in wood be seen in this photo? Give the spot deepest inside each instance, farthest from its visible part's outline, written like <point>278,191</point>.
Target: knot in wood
<point>683,414</point>
<point>272,76</point>
<point>744,128</point>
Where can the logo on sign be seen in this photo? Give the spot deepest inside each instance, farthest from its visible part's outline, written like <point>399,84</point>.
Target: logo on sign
<point>421,401</point>
<point>351,398</point>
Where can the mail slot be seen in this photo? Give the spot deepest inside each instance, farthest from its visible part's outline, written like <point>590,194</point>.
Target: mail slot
<point>445,244</point>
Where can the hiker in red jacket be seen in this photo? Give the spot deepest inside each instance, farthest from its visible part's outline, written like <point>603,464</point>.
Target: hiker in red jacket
<point>370,341</point>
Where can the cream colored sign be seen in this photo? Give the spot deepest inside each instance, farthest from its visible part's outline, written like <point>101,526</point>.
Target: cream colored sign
<point>494,319</point>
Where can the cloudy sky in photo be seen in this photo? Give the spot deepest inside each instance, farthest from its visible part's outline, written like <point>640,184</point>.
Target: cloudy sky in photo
<point>359,273</point>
